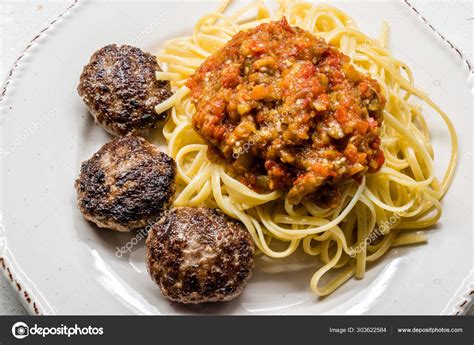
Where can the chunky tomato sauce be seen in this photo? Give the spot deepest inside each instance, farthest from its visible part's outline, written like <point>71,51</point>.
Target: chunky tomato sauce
<point>287,111</point>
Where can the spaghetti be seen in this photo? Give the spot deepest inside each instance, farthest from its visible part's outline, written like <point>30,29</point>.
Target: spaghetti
<point>383,211</point>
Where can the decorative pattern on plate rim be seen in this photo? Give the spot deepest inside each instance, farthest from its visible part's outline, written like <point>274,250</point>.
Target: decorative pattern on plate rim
<point>24,295</point>
<point>465,299</point>
<point>440,35</point>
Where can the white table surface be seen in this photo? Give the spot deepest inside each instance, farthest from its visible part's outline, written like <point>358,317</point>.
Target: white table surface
<point>21,20</point>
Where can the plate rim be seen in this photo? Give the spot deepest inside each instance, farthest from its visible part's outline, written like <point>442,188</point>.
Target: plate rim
<point>464,297</point>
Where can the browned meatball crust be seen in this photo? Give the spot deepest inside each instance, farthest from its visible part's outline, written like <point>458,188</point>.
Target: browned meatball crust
<point>198,254</point>
<point>121,90</point>
<point>126,184</point>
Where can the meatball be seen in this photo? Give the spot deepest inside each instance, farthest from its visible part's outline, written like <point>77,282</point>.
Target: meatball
<point>120,88</point>
<point>126,184</point>
<point>198,254</point>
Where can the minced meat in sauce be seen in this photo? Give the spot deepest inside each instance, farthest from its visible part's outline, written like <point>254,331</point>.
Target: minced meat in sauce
<point>287,111</point>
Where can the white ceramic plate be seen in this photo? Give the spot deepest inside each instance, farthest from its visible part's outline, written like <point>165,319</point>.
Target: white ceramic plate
<point>61,264</point>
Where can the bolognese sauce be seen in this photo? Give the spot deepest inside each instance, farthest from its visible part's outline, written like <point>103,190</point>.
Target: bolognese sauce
<point>287,111</point>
